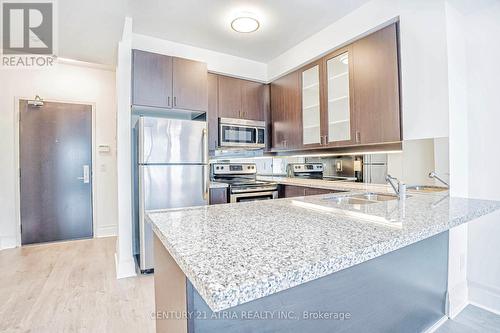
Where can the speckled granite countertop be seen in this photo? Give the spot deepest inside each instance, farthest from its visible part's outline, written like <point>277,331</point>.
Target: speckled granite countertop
<point>329,184</point>
<point>236,253</point>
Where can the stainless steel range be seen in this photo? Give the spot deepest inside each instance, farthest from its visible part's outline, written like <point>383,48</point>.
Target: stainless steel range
<point>243,183</point>
<point>305,170</point>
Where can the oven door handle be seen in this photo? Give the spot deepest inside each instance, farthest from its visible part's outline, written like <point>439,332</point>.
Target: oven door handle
<point>259,190</point>
<point>234,197</point>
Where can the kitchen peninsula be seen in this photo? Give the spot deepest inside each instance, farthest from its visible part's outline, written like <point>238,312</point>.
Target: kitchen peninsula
<point>382,264</point>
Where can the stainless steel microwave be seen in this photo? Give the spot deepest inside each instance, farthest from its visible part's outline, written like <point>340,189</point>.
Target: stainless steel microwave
<point>242,133</point>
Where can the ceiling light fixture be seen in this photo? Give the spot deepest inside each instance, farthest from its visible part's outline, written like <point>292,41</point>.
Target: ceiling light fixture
<point>245,24</point>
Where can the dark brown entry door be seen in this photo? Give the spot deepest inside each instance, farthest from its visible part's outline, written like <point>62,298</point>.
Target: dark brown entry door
<point>56,172</point>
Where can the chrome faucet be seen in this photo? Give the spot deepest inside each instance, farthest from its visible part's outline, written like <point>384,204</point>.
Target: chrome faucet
<point>434,175</point>
<point>398,187</point>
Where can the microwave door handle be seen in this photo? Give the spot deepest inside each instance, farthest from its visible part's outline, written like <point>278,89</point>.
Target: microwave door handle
<point>256,135</point>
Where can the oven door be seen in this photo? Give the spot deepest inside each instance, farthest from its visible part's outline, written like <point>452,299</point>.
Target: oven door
<point>253,196</point>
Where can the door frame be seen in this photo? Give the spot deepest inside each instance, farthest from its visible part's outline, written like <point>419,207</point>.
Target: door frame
<point>17,161</point>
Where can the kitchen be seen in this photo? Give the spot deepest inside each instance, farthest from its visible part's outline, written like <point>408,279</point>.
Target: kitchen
<point>309,180</point>
<point>332,126</point>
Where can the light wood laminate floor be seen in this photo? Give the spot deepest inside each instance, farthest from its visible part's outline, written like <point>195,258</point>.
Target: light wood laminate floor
<point>472,320</point>
<point>71,287</point>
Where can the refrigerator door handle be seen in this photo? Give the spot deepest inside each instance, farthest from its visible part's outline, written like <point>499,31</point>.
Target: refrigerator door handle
<point>140,135</point>
<point>205,168</point>
<point>205,146</point>
<point>204,182</point>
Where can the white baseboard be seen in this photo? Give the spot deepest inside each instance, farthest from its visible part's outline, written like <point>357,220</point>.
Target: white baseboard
<point>457,299</point>
<point>438,324</point>
<point>484,296</point>
<point>107,231</point>
<point>8,242</point>
<point>125,268</point>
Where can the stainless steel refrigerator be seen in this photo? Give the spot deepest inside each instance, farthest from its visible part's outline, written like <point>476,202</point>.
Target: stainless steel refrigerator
<point>172,172</point>
<point>375,168</point>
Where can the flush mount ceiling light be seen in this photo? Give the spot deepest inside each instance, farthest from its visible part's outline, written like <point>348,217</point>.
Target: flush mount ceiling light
<point>245,23</point>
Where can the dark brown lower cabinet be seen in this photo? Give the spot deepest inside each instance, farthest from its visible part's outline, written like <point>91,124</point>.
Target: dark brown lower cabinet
<point>290,191</point>
<point>218,196</point>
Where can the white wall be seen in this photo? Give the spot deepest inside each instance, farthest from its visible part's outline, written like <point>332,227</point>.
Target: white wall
<point>216,62</point>
<point>125,264</point>
<point>482,28</point>
<point>457,68</point>
<point>64,82</point>
<point>415,162</point>
<point>423,57</point>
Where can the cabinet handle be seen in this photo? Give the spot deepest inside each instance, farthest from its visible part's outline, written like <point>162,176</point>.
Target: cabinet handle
<point>175,101</point>
<point>168,101</point>
<point>321,140</point>
<point>358,136</point>
<point>326,140</point>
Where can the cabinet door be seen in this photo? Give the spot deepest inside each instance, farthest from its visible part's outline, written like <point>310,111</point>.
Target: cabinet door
<point>311,106</point>
<point>291,191</point>
<point>212,117</point>
<point>151,79</point>
<point>218,196</point>
<point>285,112</point>
<point>190,90</point>
<point>252,103</point>
<point>316,191</point>
<point>339,120</point>
<point>229,97</point>
<point>376,87</point>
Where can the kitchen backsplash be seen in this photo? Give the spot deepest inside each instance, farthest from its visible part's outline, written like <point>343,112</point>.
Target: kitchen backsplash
<point>412,165</point>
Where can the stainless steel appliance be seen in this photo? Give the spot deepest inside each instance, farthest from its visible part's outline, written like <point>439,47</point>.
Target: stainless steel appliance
<point>241,133</point>
<point>243,185</point>
<point>172,171</point>
<point>305,170</point>
<point>375,168</point>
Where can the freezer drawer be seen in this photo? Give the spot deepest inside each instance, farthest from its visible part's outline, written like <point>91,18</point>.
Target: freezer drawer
<point>163,187</point>
<point>168,141</point>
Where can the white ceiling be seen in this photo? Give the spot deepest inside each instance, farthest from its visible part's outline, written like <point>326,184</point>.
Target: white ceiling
<point>90,30</point>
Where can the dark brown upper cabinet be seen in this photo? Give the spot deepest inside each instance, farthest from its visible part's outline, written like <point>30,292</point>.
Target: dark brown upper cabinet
<point>349,97</point>
<point>241,99</point>
<point>168,82</point>
<point>189,84</point>
<point>252,100</point>
<point>376,87</point>
<point>212,120</point>
<point>286,112</point>
<point>229,97</point>
<point>151,79</point>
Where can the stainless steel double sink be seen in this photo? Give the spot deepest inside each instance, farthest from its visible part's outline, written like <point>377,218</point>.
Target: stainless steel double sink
<point>363,198</point>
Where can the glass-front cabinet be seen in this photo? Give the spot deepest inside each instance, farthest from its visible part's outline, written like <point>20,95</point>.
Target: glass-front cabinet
<point>311,110</point>
<point>338,97</point>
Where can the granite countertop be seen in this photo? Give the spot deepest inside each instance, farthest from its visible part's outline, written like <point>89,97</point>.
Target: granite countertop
<point>236,253</point>
<point>331,184</point>
<point>218,185</point>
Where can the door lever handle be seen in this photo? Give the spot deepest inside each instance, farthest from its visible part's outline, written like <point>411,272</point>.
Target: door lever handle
<point>86,174</point>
